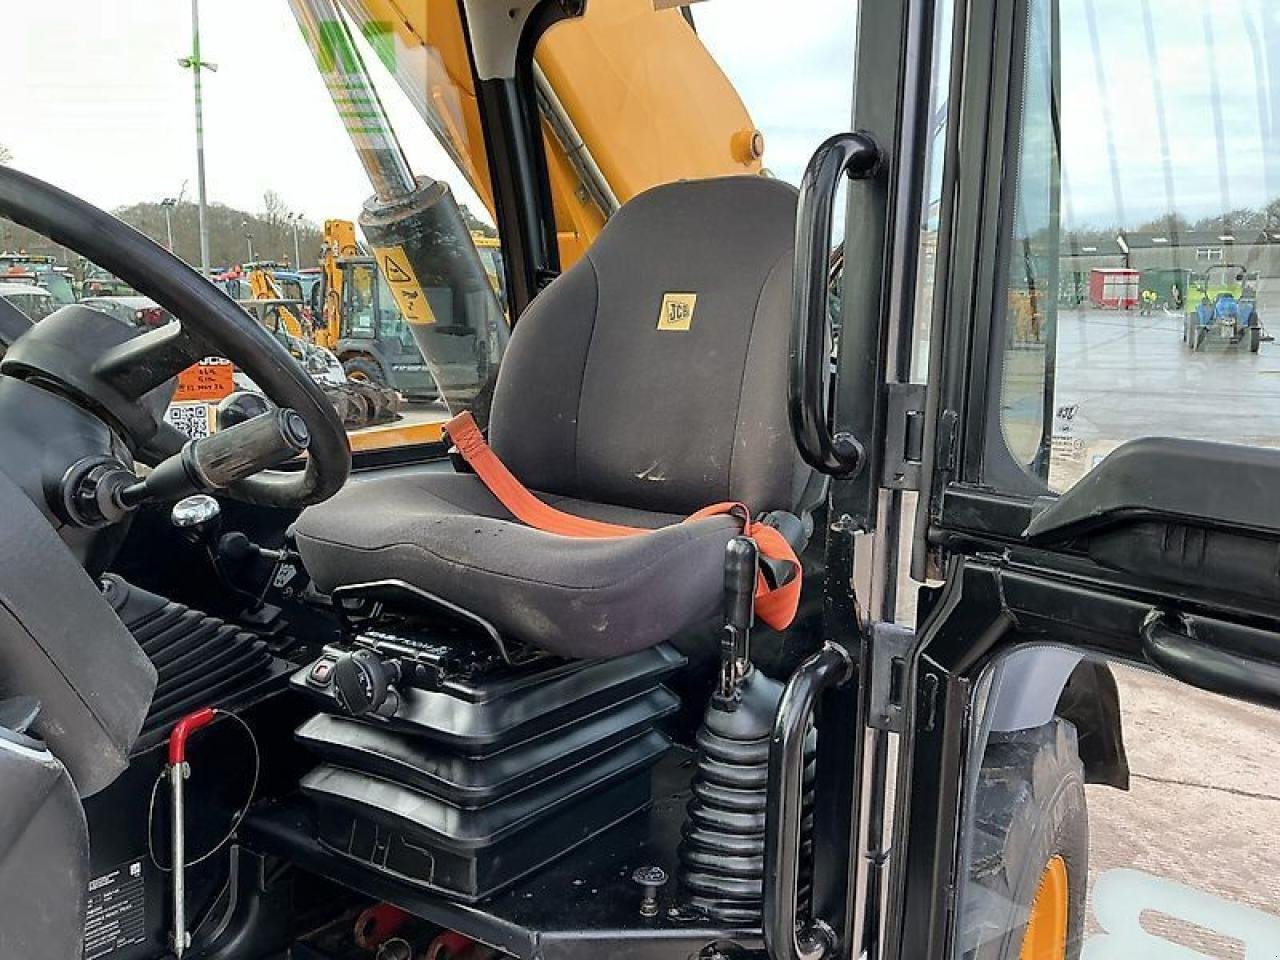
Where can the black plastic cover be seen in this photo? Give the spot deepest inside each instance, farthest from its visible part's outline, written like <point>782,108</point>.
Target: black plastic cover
<point>61,643</point>
<point>472,854</point>
<point>483,718</point>
<point>471,782</point>
<point>1197,482</point>
<point>44,854</point>
<point>201,661</point>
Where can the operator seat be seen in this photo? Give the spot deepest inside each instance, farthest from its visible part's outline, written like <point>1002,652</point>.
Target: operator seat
<point>646,382</point>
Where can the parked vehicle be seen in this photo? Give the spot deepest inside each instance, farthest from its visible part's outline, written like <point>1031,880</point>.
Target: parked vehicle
<point>1224,308</point>
<point>136,310</point>
<point>35,302</point>
<point>43,271</point>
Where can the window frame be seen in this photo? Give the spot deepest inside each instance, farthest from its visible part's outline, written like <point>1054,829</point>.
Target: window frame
<point>970,481</point>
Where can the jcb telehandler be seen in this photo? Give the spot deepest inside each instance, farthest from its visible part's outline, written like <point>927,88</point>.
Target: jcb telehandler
<point>615,671</point>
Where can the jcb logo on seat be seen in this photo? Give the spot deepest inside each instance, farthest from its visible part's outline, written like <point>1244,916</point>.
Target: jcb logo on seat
<point>677,311</point>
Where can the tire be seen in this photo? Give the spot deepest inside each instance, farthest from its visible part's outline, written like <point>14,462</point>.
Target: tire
<point>366,369</point>
<point>351,409</point>
<point>1030,810</point>
<point>379,400</point>
<point>1255,339</point>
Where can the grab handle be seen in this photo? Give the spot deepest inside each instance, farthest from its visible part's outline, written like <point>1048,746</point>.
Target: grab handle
<point>856,156</point>
<point>1215,655</point>
<point>787,935</point>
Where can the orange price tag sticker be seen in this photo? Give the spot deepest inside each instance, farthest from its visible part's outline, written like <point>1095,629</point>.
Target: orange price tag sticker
<point>206,380</point>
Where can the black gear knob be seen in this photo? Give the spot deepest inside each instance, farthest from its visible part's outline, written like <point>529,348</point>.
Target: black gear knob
<point>362,683</point>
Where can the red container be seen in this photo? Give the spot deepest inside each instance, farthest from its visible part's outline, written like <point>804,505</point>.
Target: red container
<point>1114,288</point>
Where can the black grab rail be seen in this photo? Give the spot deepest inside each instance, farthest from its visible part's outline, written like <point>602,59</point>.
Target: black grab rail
<point>788,935</point>
<point>1215,655</point>
<point>856,156</point>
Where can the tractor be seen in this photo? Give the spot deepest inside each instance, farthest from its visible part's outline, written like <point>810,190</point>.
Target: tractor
<point>1223,306</point>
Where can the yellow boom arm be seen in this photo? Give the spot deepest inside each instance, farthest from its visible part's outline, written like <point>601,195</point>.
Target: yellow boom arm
<point>615,122</point>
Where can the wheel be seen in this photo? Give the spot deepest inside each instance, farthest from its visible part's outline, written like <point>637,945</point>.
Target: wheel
<point>378,399</point>
<point>350,407</point>
<point>1255,339</point>
<point>364,369</point>
<point>1029,856</point>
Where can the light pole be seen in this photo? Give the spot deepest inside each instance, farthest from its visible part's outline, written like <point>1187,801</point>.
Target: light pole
<point>168,203</point>
<point>248,237</point>
<point>195,65</point>
<point>294,220</point>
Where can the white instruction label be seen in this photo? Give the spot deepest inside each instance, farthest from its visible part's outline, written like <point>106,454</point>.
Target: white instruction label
<point>117,914</point>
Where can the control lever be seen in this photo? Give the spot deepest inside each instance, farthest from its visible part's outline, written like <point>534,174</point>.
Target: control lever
<point>364,683</point>
<point>741,563</point>
<point>178,773</point>
<point>237,548</point>
<point>198,517</point>
<point>221,459</point>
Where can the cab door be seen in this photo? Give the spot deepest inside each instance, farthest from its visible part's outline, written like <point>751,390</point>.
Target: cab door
<point>1088,750</point>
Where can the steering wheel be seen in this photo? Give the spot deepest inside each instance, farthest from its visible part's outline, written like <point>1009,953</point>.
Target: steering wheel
<point>125,380</point>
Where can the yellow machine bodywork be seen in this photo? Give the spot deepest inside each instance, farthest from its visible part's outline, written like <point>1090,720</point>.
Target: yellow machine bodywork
<point>263,287</point>
<point>339,242</point>
<point>621,75</point>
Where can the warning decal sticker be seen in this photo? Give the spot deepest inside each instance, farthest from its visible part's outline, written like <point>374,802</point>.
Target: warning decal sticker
<point>398,273</point>
<point>116,916</point>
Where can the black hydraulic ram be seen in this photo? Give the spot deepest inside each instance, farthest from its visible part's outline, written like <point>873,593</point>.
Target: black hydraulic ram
<point>787,935</point>
<point>422,245</point>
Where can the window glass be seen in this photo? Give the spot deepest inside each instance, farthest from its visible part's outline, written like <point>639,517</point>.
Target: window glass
<point>360,308</point>
<point>80,72</point>
<point>1162,850</point>
<point>744,87</point>
<point>939,106</point>
<point>1141,247</point>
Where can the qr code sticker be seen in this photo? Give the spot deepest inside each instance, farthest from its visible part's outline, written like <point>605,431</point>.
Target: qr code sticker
<point>191,419</point>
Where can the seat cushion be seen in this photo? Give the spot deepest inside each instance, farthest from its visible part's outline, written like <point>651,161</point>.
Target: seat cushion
<point>446,534</point>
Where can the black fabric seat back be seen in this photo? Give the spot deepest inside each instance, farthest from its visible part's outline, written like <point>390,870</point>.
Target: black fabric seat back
<point>653,373</point>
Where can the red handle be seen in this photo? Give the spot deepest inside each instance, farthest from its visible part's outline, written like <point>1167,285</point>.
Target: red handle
<point>183,729</point>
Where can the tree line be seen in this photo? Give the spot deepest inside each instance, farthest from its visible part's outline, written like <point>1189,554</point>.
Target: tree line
<point>1243,222</point>
<point>233,233</point>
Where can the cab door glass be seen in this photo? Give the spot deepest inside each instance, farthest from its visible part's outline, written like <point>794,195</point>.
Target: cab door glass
<point>1138,283</point>
<point>1140,252</point>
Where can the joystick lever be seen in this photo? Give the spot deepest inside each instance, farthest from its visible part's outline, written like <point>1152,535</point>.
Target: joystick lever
<point>741,566</point>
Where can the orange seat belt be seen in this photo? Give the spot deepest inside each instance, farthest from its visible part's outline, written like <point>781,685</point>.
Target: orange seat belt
<point>776,606</point>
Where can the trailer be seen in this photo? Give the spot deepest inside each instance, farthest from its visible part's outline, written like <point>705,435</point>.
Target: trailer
<point>1113,288</point>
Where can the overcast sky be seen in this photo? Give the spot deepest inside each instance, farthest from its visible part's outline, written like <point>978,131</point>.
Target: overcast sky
<point>93,100</point>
